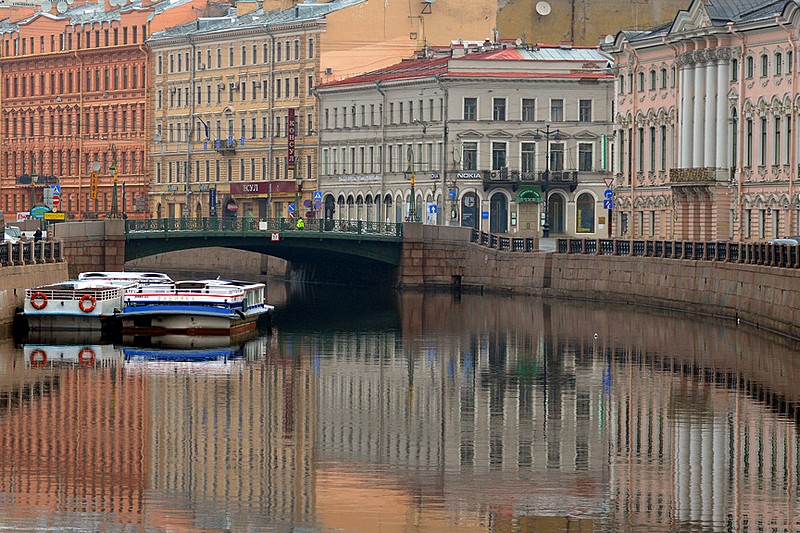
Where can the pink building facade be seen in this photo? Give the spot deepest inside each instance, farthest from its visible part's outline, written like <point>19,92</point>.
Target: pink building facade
<point>705,124</point>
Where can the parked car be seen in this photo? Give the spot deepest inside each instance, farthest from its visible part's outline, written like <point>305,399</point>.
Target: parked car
<point>12,234</point>
<point>786,241</point>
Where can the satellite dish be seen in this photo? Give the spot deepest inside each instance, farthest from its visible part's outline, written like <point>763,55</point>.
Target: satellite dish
<point>157,137</point>
<point>96,166</point>
<point>47,7</point>
<point>543,8</point>
<point>70,2</point>
<point>518,42</point>
<point>61,6</point>
<point>609,39</point>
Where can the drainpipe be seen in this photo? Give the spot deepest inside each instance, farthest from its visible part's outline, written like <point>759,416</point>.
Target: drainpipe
<point>676,131</point>
<point>81,127</point>
<point>792,123</point>
<point>740,140</point>
<point>441,207</point>
<point>271,141</point>
<point>383,140</point>
<point>146,126</point>
<point>190,133</point>
<point>634,140</point>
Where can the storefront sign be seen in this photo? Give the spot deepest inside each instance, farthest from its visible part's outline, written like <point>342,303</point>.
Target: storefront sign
<point>368,177</point>
<point>291,129</point>
<point>263,188</point>
<point>469,175</point>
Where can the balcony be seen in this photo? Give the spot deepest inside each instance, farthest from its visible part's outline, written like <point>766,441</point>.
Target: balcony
<point>563,179</point>
<point>225,146</point>
<point>698,176</point>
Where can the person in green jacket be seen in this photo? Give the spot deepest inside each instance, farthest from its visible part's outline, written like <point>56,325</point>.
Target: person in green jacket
<point>300,223</point>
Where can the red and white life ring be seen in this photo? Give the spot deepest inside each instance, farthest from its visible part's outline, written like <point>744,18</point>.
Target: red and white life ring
<point>38,358</point>
<point>86,356</point>
<point>87,303</point>
<point>38,300</point>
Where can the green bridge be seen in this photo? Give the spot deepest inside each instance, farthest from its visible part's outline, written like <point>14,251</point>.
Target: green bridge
<point>352,248</point>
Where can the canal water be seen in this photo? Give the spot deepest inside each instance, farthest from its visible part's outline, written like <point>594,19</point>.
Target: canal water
<point>365,412</point>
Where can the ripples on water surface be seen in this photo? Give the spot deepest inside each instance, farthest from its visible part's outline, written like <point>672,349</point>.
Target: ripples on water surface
<point>364,413</point>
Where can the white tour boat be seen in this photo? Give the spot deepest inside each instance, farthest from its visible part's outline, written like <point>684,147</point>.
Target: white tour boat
<point>196,307</point>
<point>91,355</point>
<point>73,305</point>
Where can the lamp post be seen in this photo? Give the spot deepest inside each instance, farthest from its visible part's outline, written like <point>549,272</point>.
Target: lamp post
<point>546,177</point>
<point>409,174</point>
<point>298,184</point>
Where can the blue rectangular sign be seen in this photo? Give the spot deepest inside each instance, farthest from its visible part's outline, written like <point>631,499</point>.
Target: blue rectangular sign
<point>212,202</point>
<point>608,204</point>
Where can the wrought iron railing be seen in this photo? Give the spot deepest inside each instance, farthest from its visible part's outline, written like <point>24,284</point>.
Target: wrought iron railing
<point>758,253</point>
<point>246,225</point>
<point>30,252</point>
<point>507,244</point>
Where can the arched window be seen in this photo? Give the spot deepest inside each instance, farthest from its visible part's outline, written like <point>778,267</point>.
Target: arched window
<point>584,222</point>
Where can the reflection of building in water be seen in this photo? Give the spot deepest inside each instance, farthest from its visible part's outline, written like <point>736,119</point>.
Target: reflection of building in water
<point>504,406</point>
<point>71,441</point>
<point>245,437</point>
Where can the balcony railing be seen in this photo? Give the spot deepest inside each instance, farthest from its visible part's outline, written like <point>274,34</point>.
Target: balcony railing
<point>225,146</point>
<point>517,178</point>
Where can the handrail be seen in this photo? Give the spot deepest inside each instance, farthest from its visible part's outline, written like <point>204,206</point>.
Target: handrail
<point>30,252</point>
<point>255,226</point>
<point>749,253</point>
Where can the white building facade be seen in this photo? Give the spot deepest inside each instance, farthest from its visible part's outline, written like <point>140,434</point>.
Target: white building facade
<point>495,135</point>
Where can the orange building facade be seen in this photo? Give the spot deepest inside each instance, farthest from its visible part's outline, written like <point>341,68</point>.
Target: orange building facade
<point>73,107</point>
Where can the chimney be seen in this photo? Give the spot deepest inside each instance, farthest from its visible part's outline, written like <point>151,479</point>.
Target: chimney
<point>457,50</point>
<point>565,45</point>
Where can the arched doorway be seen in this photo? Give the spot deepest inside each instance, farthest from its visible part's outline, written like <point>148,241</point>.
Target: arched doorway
<point>556,212</point>
<point>330,206</point>
<point>469,210</point>
<point>584,214</point>
<point>498,213</point>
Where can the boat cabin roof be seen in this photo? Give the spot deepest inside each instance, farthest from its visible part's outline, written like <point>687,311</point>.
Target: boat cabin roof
<point>149,277</point>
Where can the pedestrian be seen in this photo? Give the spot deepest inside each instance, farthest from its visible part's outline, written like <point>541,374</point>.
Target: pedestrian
<point>300,223</point>
<point>37,235</point>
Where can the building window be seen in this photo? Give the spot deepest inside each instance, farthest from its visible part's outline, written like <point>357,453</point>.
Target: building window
<point>470,108</point>
<point>778,60</point>
<point>557,110</point>
<point>652,132</point>
<point>528,157</point>
<point>749,67</point>
<point>663,78</point>
<point>528,109</point>
<point>584,222</point>
<point>498,109</point>
<point>585,111</point>
<point>748,156</point>
<point>557,157</point>
<point>640,80</point>
<point>653,80</point>
<point>764,65</point>
<point>762,152</point>
<point>776,145</point>
<point>498,155</point>
<point>734,69</point>
<point>469,158</point>
<point>585,153</point>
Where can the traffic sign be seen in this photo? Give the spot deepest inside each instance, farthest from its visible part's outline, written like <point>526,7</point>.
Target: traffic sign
<point>56,190</point>
<point>56,200</point>
<point>317,196</point>
<point>609,182</point>
<point>317,205</point>
<point>608,204</point>
<point>291,208</point>
<point>275,236</point>
<point>432,209</point>
<point>609,194</point>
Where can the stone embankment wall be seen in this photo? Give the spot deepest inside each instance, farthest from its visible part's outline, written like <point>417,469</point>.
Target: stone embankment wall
<point>15,279</point>
<point>92,246</point>
<point>767,297</point>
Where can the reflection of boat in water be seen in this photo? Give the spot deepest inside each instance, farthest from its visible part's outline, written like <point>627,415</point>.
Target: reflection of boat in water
<point>153,352</point>
<point>83,354</point>
<point>199,307</point>
<point>73,305</point>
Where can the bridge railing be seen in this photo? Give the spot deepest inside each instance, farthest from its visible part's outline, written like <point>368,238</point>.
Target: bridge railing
<point>508,244</point>
<point>29,253</point>
<point>750,253</point>
<point>260,226</point>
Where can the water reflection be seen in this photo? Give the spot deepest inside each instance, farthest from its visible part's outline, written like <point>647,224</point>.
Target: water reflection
<point>422,412</point>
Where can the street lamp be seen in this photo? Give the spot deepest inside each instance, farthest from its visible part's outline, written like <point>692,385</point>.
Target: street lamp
<point>409,174</point>
<point>546,177</point>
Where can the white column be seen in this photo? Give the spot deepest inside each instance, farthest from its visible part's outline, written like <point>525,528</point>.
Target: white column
<point>723,77</point>
<point>710,139</point>
<point>697,117</point>
<point>687,95</point>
